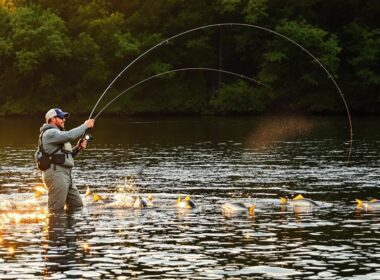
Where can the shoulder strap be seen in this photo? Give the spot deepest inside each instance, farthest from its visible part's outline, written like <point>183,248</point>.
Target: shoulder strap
<point>40,145</point>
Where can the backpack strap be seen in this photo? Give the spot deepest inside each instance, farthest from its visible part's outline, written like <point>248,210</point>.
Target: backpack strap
<point>40,145</point>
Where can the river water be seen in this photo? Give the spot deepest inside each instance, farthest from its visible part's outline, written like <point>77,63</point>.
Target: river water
<point>254,160</point>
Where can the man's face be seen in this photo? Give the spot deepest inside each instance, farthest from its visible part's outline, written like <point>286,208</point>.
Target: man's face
<point>59,122</point>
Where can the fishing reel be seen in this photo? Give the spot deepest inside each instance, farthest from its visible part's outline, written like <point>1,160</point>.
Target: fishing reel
<point>87,137</point>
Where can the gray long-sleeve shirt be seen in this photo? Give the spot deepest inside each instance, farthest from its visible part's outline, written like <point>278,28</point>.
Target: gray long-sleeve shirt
<point>53,138</point>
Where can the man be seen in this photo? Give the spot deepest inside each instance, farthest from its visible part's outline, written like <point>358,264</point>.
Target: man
<point>56,142</point>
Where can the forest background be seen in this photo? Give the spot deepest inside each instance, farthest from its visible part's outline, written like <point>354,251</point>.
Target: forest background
<point>65,53</point>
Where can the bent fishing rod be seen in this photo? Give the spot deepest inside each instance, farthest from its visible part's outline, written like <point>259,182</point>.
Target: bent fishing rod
<point>170,72</point>
<point>88,137</point>
<point>249,26</point>
<point>175,71</point>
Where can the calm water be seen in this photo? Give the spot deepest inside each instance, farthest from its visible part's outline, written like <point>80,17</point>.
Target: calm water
<point>215,160</point>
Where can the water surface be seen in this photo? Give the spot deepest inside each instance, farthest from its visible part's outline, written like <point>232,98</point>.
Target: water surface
<point>216,160</point>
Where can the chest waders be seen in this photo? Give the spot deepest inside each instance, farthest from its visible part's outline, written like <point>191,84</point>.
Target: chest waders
<point>58,180</point>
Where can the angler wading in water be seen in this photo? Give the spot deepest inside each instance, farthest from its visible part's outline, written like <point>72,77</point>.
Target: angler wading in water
<point>55,157</point>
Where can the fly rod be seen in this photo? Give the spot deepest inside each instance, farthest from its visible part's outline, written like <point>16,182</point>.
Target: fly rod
<point>249,26</point>
<point>175,71</point>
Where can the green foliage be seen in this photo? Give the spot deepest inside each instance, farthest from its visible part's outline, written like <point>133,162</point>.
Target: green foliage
<point>229,5</point>
<point>365,53</point>
<point>239,97</point>
<point>6,44</point>
<point>256,10</point>
<point>35,41</point>
<point>38,36</point>
<point>299,78</point>
<point>65,53</point>
<point>324,47</point>
<point>88,54</point>
<point>157,67</point>
<point>363,66</point>
<point>165,95</point>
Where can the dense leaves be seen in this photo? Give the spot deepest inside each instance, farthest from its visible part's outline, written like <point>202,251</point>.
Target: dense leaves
<point>65,53</point>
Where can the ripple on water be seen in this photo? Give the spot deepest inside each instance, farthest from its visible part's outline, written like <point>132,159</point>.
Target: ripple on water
<point>265,270</point>
<point>369,276</point>
<point>333,242</point>
<point>331,248</point>
<point>81,273</point>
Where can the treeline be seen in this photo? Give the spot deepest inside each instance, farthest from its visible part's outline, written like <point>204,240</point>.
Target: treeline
<point>65,53</point>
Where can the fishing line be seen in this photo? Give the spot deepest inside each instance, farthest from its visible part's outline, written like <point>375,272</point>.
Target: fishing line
<point>242,25</point>
<point>179,70</point>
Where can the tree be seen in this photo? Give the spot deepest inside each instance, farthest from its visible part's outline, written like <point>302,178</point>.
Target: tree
<point>297,78</point>
<point>39,45</point>
<point>363,51</point>
<point>54,51</point>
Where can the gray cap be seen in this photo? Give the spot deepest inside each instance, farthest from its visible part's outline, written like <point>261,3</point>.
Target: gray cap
<point>56,112</point>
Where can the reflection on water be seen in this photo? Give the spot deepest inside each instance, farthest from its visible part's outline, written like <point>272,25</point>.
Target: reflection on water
<point>215,162</point>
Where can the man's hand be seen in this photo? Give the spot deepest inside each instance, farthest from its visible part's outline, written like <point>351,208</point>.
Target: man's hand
<point>90,123</point>
<point>81,145</point>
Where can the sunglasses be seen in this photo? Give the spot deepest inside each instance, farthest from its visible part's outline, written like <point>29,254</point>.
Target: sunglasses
<point>62,118</point>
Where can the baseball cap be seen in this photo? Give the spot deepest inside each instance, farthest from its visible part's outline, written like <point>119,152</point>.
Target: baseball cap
<point>56,112</point>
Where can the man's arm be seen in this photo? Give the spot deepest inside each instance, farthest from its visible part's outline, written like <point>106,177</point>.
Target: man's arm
<point>55,136</point>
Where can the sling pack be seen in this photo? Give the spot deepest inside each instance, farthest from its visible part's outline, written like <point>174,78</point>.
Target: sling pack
<point>44,160</point>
